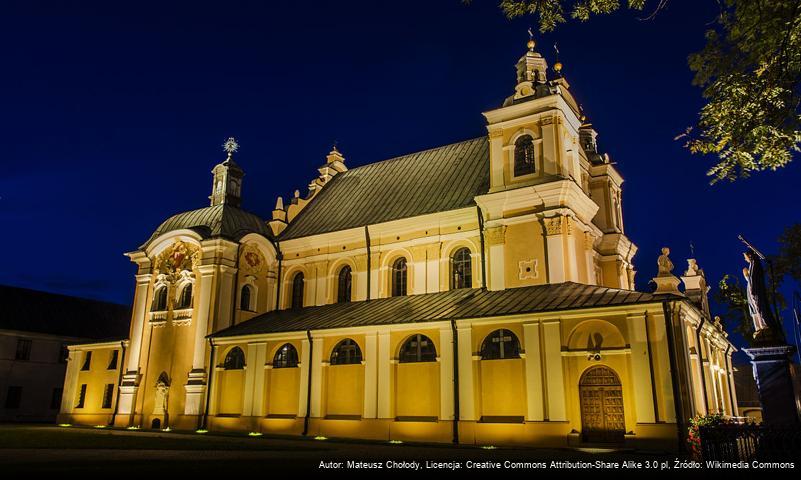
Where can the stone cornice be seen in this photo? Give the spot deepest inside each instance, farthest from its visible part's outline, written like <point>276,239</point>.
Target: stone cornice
<point>557,194</point>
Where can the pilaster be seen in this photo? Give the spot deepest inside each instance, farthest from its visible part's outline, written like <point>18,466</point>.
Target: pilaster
<point>446,374</point>
<point>467,404</point>
<point>305,367</point>
<point>554,240</point>
<point>384,407</point>
<point>317,379</point>
<point>640,367</point>
<point>554,372</point>
<point>370,375</point>
<point>495,238</point>
<point>535,411</point>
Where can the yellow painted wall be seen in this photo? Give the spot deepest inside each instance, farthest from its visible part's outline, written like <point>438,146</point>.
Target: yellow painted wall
<point>344,389</point>
<point>503,387</point>
<point>282,391</point>
<point>417,389</point>
<point>524,241</point>
<point>96,379</point>
<point>231,388</point>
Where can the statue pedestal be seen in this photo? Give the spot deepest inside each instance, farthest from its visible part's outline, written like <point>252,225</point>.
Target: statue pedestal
<point>667,284</point>
<point>772,374</point>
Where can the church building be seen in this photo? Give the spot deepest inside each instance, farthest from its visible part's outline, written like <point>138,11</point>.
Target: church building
<point>480,293</point>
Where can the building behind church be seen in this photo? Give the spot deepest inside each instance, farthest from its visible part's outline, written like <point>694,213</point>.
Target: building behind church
<point>36,329</point>
<point>480,292</point>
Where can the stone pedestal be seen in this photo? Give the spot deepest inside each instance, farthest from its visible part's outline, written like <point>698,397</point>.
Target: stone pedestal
<point>667,284</point>
<point>772,374</point>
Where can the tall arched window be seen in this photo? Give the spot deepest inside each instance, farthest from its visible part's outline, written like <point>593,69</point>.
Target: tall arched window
<point>524,155</point>
<point>297,290</point>
<point>461,269</point>
<point>160,299</point>
<point>286,357</point>
<point>399,277</point>
<point>244,298</point>
<point>500,344</point>
<point>418,348</point>
<point>235,360</point>
<point>347,352</point>
<point>344,283</point>
<point>186,297</point>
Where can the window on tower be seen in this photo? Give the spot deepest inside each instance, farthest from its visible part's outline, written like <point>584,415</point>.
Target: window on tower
<point>524,156</point>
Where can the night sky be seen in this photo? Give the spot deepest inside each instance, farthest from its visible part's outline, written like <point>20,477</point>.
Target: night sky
<point>113,115</point>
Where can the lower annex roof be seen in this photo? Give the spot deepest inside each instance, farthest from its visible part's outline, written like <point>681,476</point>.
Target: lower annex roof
<point>432,307</point>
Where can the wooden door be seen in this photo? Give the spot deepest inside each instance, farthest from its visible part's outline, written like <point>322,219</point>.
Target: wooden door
<point>601,397</point>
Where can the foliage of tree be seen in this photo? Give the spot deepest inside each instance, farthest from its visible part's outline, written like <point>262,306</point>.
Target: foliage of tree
<point>749,70</point>
<point>732,297</point>
<point>788,261</point>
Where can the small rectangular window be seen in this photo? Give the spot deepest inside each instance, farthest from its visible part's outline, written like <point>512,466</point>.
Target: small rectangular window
<point>87,361</point>
<point>23,349</point>
<point>107,395</point>
<point>55,400</point>
<point>112,363</point>
<point>81,396</point>
<point>13,397</point>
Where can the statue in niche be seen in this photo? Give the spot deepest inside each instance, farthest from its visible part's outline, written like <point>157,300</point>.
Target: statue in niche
<point>766,327</point>
<point>664,263</point>
<point>162,393</point>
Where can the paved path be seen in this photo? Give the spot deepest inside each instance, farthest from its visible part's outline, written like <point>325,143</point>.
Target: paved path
<point>73,450</point>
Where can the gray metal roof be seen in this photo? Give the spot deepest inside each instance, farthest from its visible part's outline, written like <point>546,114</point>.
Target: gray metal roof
<point>431,307</point>
<point>216,221</point>
<point>55,314</point>
<point>436,180</point>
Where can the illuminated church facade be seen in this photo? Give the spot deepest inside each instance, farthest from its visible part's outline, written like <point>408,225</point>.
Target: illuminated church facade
<point>480,292</point>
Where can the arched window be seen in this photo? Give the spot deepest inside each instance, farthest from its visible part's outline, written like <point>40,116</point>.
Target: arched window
<point>244,298</point>
<point>344,284</point>
<point>347,352</point>
<point>186,297</point>
<point>500,344</point>
<point>235,360</point>
<point>286,357</point>
<point>524,155</point>
<point>297,290</point>
<point>160,299</point>
<point>399,277</point>
<point>461,269</point>
<point>418,348</point>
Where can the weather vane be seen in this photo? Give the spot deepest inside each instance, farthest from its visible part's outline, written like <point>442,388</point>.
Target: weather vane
<point>230,145</point>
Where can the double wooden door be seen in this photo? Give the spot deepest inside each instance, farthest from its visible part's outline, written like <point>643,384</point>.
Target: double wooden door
<point>601,394</point>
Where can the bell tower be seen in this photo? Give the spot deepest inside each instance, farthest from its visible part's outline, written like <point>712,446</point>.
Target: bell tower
<point>541,213</point>
<point>227,185</point>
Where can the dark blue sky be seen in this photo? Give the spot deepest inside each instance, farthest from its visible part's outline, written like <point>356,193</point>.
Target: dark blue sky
<point>113,114</point>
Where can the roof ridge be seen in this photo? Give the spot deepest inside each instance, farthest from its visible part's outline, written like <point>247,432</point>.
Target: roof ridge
<point>399,157</point>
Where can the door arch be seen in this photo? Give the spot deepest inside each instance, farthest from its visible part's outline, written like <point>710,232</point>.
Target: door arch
<point>601,396</point>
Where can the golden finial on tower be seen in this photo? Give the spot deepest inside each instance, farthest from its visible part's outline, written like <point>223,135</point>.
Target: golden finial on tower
<point>557,67</point>
<point>230,146</point>
<point>531,43</point>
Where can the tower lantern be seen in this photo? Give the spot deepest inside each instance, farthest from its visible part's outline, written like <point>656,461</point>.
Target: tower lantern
<point>227,185</point>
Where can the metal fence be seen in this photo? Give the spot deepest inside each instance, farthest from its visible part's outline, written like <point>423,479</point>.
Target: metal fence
<point>738,442</point>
